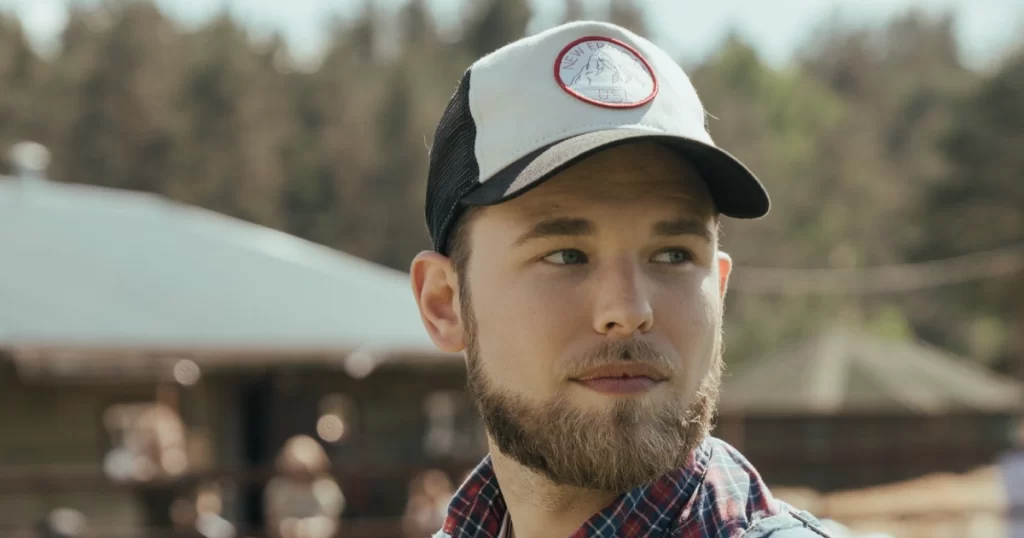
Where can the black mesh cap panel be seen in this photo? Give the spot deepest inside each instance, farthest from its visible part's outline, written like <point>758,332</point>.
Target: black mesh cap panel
<point>453,170</point>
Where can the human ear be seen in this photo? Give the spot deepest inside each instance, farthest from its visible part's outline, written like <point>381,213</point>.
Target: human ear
<point>435,286</point>
<point>724,269</point>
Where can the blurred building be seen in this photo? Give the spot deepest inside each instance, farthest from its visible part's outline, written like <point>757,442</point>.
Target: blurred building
<point>148,347</point>
<point>155,357</point>
<point>845,409</point>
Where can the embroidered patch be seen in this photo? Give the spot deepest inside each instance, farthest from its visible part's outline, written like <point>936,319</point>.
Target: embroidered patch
<point>605,72</point>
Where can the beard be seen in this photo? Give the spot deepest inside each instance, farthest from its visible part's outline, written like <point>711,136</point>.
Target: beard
<point>615,450</point>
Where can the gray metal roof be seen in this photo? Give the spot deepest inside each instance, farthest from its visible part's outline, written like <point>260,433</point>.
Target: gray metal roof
<point>88,267</point>
<point>845,370</point>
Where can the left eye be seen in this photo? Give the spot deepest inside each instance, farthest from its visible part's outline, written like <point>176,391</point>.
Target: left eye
<point>673,256</point>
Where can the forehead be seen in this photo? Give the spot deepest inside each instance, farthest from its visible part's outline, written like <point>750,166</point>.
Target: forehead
<point>644,176</point>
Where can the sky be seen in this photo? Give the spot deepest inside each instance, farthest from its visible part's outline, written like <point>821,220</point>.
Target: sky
<point>688,29</point>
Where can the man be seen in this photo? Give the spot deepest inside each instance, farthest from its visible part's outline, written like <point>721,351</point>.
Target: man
<point>573,198</point>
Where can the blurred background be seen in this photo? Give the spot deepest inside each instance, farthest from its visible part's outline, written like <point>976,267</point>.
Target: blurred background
<point>207,210</point>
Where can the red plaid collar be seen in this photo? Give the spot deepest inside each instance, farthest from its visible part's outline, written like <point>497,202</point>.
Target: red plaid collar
<point>717,493</point>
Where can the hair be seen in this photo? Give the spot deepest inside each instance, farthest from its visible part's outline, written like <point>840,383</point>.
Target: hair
<point>458,248</point>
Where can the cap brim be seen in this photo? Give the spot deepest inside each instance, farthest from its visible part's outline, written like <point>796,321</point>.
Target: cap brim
<point>735,190</point>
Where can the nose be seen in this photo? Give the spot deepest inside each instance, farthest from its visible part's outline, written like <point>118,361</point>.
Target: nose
<point>622,307</point>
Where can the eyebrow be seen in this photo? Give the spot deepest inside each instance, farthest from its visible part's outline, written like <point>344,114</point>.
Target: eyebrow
<point>684,227</point>
<point>557,227</point>
<point>570,227</point>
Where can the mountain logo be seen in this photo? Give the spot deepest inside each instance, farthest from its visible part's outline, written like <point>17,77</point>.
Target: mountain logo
<point>605,72</point>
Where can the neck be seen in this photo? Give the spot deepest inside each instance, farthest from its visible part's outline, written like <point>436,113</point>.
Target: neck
<point>540,508</point>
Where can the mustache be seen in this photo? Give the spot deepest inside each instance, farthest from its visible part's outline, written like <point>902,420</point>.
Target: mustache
<point>637,351</point>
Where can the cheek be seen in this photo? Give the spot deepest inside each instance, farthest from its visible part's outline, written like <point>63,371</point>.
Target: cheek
<point>522,331</point>
<point>691,321</point>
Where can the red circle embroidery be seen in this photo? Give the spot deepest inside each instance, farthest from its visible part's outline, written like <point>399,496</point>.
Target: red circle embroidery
<point>605,72</point>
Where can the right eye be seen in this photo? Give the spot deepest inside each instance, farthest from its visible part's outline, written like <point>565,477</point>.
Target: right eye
<point>568,256</point>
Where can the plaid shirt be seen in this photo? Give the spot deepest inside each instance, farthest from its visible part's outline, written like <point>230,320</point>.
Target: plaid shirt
<point>717,494</point>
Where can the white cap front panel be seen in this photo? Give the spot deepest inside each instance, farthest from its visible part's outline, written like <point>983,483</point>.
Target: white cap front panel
<point>571,80</point>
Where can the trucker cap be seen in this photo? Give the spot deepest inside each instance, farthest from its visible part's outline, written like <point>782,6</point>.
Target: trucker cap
<point>530,109</point>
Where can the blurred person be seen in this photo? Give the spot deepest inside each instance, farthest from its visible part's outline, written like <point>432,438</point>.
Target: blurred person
<point>573,199</point>
<point>161,438</point>
<point>149,452</point>
<point>150,444</point>
<point>157,439</point>
<point>201,517</point>
<point>303,500</point>
<point>425,511</point>
<point>63,523</point>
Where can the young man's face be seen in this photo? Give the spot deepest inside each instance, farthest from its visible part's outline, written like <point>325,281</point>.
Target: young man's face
<point>592,316</point>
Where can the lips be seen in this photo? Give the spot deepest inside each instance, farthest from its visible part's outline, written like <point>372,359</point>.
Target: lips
<point>623,370</point>
<point>620,385</point>
<point>621,378</point>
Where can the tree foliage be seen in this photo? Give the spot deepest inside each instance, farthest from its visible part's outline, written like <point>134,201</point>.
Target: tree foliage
<point>877,145</point>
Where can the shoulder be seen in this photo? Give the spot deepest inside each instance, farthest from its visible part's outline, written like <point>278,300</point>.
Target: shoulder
<point>733,497</point>
<point>732,488</point>
<point>789,524</point>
